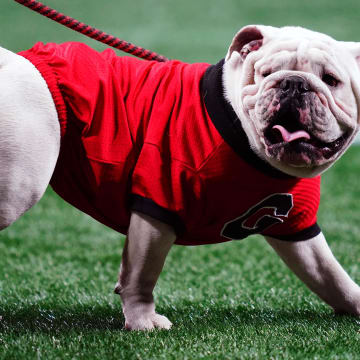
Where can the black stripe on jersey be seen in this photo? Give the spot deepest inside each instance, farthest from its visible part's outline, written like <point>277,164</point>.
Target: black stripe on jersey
<point>302,235</point>
<point>148,207</point>
<point>227,122</point>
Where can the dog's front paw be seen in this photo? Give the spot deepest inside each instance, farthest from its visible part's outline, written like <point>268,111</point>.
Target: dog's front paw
<point>147,322</point>
<point>350,305</point>
<point>353,310</point>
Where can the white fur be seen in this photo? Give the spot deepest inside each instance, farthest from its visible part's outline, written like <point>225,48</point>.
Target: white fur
<point>146,248</point>
<point>313,262</point>
<point>29,136</point>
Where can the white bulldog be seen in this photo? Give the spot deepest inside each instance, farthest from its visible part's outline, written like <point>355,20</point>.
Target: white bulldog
<point>274,74</point>
<point>296,94</point>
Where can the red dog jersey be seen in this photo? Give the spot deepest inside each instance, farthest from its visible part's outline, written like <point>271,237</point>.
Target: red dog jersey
<point>160,138</point>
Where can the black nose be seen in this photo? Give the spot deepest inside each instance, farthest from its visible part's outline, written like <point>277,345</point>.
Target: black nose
<point>294,84</point>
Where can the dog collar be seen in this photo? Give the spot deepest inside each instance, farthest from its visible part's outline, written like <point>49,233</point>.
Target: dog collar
<point>227,122</point>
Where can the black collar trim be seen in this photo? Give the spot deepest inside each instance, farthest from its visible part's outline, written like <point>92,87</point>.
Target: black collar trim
<point>227,123</point>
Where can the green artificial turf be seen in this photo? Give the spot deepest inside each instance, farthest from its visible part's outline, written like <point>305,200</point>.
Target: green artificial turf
<point>236,300</point>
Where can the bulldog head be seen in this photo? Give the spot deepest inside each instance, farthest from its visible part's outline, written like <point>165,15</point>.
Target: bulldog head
<point>297,94</point>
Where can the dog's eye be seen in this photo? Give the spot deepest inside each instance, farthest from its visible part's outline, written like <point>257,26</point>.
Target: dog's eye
<point>266,73</point>
<point>330,80</point>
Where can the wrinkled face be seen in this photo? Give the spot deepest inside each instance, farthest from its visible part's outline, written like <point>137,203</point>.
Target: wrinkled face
<point>297,100</point>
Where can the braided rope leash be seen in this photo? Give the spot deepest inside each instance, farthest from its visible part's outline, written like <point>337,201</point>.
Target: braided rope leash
<point>91,32</point>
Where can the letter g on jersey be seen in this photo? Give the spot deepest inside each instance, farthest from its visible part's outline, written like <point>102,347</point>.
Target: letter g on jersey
<point>280,206</point>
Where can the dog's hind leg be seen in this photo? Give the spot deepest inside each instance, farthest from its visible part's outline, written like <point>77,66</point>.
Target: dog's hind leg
<point>29,136</point>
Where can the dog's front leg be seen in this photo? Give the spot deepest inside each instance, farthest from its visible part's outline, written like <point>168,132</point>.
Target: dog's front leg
<point>146,247</point>
<point>313,262</point>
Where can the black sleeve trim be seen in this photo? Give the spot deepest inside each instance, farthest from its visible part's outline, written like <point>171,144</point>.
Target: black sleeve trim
<point>149,207</point>
<point>302,235</point>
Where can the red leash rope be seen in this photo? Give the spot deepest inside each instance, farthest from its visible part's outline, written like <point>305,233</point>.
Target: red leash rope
<point>91,32</point>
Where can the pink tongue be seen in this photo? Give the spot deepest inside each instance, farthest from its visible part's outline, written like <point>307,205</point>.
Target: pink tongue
<point>289,137</point>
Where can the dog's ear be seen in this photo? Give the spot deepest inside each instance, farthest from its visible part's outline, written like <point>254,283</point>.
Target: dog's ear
<point>248,39</point>
<point>354,49</point>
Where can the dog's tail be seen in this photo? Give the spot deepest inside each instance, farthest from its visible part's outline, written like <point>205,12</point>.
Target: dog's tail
<point>91,32</point>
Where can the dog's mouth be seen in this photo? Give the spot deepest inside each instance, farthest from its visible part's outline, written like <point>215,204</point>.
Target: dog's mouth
<point>287,138</point>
